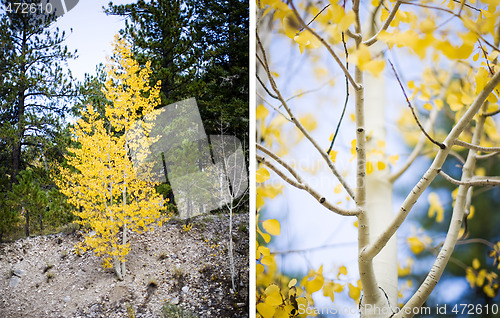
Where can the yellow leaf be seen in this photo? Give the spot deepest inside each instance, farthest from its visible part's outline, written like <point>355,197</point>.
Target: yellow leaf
<point>262,175</point>
<point>369,167</point>
<point>261,112</point>
<point>333,155</point>
<point>292,283</point>
<point>306,40</point>
<point>393,159</point>
<point>274,299</point>
<point>375,67</point>
<point>428,106</point>
<point>355,292</point>
<point>380,165</point>
<point>490,292</point>
<point>342,270</point>
<point>308,122</point>
<point>435,207</point>
<point>338,189</point>
<point>265,310</point>
<point>476,264</point>
<point>416,245</point>
<point>272,226</point>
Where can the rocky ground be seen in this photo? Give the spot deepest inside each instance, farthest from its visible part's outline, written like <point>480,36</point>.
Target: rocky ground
<point>170,273</point>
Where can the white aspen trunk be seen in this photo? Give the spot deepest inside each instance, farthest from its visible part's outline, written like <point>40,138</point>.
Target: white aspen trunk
<point>231,257</point>
<point>379,190</point>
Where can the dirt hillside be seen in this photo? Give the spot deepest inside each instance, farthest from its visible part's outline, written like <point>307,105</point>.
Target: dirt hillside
<point>170,273</point>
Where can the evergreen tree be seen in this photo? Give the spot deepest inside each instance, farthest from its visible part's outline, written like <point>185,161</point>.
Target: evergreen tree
<point>197,49</point>
<point>34,97</point>
<point>162,32</point>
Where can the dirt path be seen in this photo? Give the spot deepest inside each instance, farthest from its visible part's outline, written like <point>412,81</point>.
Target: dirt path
<point>43,277</point>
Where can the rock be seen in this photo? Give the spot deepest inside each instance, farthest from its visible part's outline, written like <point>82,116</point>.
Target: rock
<point>66,299</point>
<point>175,301</point>
<point>185,289</point>
<point>14,281</point>
<point>18,272</point>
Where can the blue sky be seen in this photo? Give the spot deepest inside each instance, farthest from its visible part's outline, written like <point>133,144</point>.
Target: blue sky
<point>92,35</point>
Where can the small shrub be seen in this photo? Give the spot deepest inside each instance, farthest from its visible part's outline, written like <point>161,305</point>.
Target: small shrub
<point>50,276</point>
<point>162,256</point>
<point>178,272</point>
<point>174,311</point>
<point>130,311</point>
<point>152,282</point>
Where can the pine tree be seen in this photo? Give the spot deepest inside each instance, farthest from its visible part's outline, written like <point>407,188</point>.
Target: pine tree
<point>35,86</point>
<point>102,180</point>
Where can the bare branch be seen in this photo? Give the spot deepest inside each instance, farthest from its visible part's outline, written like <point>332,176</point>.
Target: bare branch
<point>421,141</point>
<point>346,97</point>
<point>475,147</point>
<point>303,186</point>
<point>298,124</point>
<point>280,161</point>
<point>485,181</point>
<point>490,155</point>
<point>413,110</point>
<point>387,22</point>
<point>493,113</point>
<point>265,88</point>
<point>275,108</point>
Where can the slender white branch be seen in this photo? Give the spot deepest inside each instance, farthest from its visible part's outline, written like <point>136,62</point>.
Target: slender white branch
<point>423,292</point>
<point>280,161</point>
<point>304,186</point>
<point>376,246</point>
<point>476,181</point>
<point>476,147</point>
<point>387,22</point>
<point>490,155</point>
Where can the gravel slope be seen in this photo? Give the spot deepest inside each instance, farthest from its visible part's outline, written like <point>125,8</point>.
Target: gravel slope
<point>43,277</point>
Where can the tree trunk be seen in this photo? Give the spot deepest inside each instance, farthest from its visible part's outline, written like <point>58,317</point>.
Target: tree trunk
<point>16,147</point>
<point>231,256</point>
<point>27,225</point>
<point>379,190</point>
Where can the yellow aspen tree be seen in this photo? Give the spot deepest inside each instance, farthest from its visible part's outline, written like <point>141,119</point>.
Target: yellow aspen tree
<point>102,182</point>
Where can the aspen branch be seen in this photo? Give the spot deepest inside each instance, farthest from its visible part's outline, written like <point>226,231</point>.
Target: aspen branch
<point>376,246</point>
<point>280,161</point>
<point>476,147</point>
<point>265,88</point>
<point>386,25</point>
<point>457,156</point>
<point>346,97</point>
<point>493,113</point>
<point>421,141</point>
<point>328,47</point>
<point>490,155</point>
<point>304,186</point>
<point>425,289</point>
<point>484,181</point>
<point>442,146</point>
<point>274,107</point>
<point>298,124</point>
